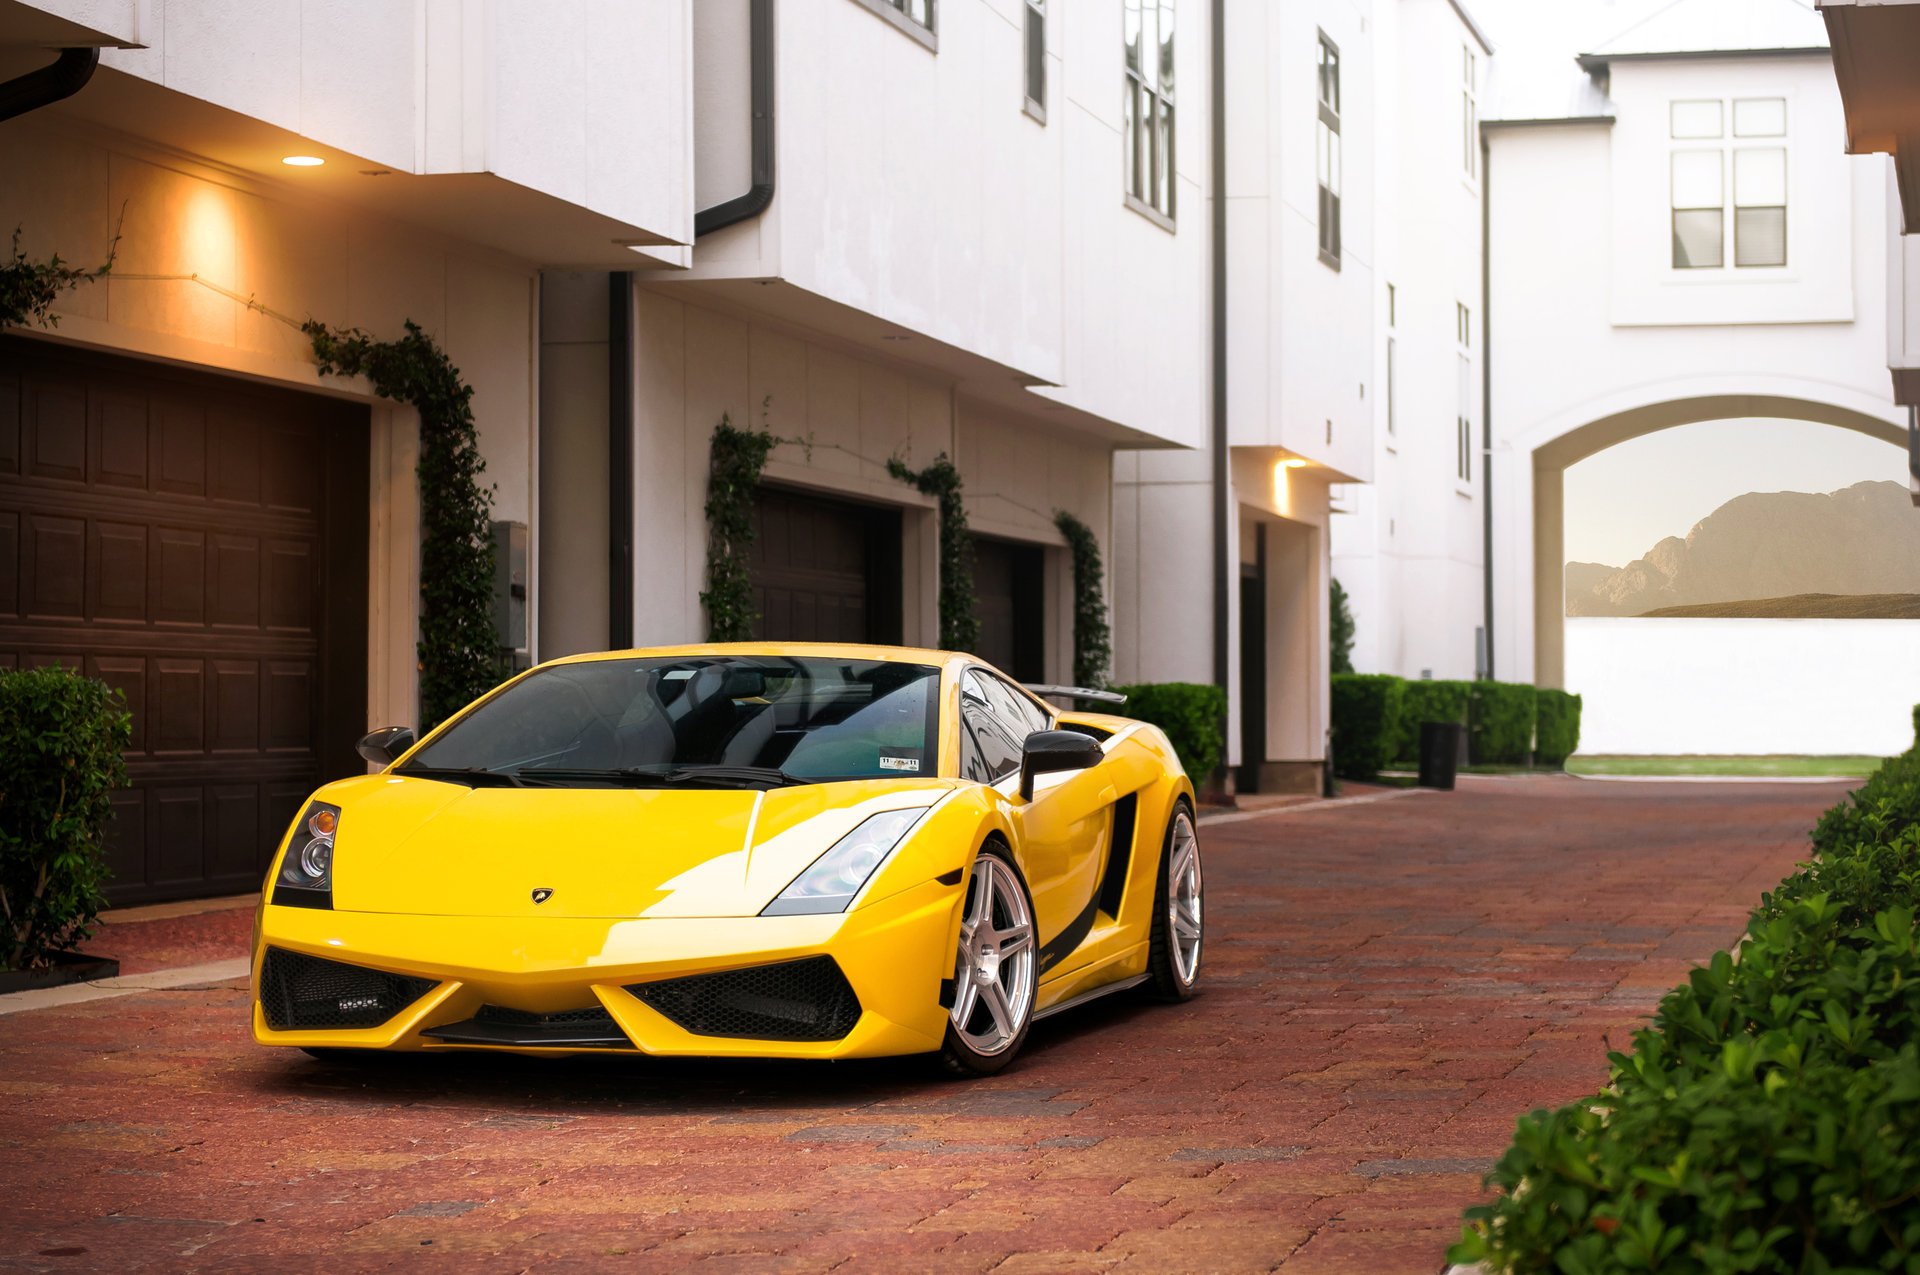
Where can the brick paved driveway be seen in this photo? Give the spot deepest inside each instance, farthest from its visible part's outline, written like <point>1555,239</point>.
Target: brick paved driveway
<point>1388,986</point>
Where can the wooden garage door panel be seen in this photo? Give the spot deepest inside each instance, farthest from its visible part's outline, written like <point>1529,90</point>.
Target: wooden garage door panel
<point>817,566</point>
<point>172,535</point>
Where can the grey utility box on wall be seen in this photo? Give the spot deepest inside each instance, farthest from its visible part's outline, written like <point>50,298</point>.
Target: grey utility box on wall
<point>510,589</point>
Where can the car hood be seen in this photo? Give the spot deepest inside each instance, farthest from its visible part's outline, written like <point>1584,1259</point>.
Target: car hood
<point>427,847</point>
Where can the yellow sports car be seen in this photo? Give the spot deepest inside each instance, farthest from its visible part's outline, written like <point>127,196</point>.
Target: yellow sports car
<point>766,851</point>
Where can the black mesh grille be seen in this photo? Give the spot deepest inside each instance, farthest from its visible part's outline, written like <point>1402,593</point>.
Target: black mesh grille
<point>596,1016</point>
<point>797,1000</point>
<point>305,993</point>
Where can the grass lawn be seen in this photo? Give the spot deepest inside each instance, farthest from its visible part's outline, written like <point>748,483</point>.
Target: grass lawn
<point>1773,764</point>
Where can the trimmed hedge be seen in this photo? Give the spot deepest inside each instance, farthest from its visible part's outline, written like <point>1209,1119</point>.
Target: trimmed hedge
<point>1366,722</point>
<point>1424,701</point>
<point>1769,1119</point>
<point>1500,722</point>
<point>1556,726</point>
<point>61,738</point>
<point>1190,713</point>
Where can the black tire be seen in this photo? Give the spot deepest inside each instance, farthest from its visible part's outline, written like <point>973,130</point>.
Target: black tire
<point>958,1056</point>
<point>1166,981</point>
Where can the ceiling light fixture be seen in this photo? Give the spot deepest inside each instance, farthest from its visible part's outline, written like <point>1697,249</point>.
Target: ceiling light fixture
<point>1294,462</point>
<point>302,161</point>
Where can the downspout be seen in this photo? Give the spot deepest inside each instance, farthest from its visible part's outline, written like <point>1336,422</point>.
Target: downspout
<point>620,460</point>
<point>760,74</point>
<point>1486,394</point>
<point>1217,184</point>
<point>59,79</point>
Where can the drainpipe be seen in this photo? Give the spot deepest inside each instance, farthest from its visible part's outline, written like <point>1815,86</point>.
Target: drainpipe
<point>59,79</point>
<point>760,194</point>
<point>1217,182</point>
<point>1486,394</point>
<point>620,460</point>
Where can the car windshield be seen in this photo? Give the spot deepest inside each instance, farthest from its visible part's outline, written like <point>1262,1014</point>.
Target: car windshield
<point>732,720</point>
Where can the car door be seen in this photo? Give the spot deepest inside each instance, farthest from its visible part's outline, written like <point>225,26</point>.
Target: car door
<point>1063,831</point>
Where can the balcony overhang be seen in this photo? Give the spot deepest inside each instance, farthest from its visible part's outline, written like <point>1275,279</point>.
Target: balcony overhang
<point>1876,48</point>
<point>479,208</point>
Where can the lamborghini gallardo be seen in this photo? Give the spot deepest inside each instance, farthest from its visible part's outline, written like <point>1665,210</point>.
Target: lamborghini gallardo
<point>756,851</point>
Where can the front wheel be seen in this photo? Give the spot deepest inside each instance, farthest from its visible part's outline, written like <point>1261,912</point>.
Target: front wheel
<point>995,970</point>
<point>1173,952</point>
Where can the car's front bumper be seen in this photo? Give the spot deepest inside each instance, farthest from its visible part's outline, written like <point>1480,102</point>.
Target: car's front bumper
<point>894,952</point>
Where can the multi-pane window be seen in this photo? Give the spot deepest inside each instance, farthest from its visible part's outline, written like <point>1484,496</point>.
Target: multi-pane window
<point>1463,416</point>
<point>915,17</point>
<point>1724,147</point>
<point>1327,150</point>
<point>1035,43</point>
<point>1469,111</point>
<point>1148,107</point>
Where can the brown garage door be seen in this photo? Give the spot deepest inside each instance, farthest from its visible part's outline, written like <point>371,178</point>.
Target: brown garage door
<point>1009,589</point>
<point>201,544</point>
<point>825,570</point>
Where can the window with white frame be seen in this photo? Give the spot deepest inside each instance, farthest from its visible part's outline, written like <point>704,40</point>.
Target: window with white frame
<point>1463,416</point>
<point>1327,150</point>
<point>1148,108</point>
<point>1721,147</point>
<point>915,17</point>
<point>1393,378</point>
<point>1035,43</point>
<point>1469,111</point>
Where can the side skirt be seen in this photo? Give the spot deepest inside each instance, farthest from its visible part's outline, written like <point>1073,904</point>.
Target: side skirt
<point>1105,989</point>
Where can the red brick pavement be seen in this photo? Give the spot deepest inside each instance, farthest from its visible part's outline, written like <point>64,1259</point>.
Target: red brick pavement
<point>1388,987</point>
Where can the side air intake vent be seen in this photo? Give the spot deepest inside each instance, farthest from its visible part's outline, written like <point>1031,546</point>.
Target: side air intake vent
<point>796,1000</point>
<point>306,993</point>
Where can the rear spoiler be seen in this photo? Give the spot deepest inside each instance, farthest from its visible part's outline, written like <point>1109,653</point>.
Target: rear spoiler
<point>1086,693</point>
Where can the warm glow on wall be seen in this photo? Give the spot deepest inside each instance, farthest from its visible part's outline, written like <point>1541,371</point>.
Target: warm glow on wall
<point>1283,486</point>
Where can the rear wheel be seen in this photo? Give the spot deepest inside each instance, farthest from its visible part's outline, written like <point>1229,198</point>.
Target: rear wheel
<point>995,969</point>
<point>1173,952</point>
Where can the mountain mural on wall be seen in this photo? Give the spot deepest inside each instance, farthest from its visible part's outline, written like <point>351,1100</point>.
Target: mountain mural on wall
<point>1852,553</point>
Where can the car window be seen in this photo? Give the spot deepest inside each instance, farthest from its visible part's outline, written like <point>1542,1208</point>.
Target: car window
<point>994,753</point>
<point>1018,716</point>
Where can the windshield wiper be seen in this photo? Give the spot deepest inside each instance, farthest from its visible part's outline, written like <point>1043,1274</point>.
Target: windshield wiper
<point>624,776</point>
<point>472,776</point>
<point>736,776</point>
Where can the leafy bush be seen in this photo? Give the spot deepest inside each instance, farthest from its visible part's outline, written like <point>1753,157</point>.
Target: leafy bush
<point>61,737</point>
<point>1556,726</point>
<point>1339,629</point>
<point>1880,809</point>
<point>1769,1119</point>
<point>1428,702</point>
<point>1366,722</point>
<point>1500,722</point>
<point>1191,715</point>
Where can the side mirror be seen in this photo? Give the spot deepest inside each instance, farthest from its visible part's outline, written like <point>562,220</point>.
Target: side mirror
<point>1047,751</point>
<point>384,747</point>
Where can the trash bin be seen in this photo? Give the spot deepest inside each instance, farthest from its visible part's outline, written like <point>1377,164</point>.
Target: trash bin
<point>1440,747</point>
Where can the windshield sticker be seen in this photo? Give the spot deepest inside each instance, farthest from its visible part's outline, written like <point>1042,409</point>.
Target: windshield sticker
<point>899,763</point>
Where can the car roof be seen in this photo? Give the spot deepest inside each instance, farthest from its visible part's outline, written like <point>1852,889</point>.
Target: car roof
<point>819,650</point>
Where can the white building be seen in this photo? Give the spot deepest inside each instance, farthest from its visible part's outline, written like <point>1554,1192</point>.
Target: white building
<point>1409,547</point>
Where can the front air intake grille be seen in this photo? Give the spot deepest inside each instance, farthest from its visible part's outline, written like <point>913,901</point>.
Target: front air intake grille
<point>306,993</point>
<point>592,1028</point>
<point>797,1000</point>
<point>594,1017</point>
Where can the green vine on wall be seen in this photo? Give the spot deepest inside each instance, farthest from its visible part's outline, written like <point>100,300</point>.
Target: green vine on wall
<point>29,288</point>
<point>1092,639</point>
<point>734,461</point>
<point>458,646</point>
<point>959,626</point>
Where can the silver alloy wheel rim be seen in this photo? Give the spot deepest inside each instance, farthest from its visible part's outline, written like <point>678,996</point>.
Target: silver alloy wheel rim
<point>1183,899</point>
<point>993,977</point>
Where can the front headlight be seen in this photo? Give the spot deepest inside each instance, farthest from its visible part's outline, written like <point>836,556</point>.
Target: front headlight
<point>836,876</point>
<point>306,873</point>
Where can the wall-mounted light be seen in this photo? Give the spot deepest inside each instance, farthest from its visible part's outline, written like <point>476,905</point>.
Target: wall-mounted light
<point>302,161</point>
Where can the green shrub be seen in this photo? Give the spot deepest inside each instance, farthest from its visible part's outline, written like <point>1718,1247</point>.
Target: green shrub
<point>1366,722</point>
<point>1500,722</point>
<point>61,737</point>
<point>1556,726</point>
<point>1428,702</point>
<point>1191,715</point>
<point>1768,1120</point>
<point>1880,809</point>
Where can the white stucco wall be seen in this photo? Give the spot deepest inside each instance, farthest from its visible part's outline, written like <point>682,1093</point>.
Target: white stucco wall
<point>295,257</point>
